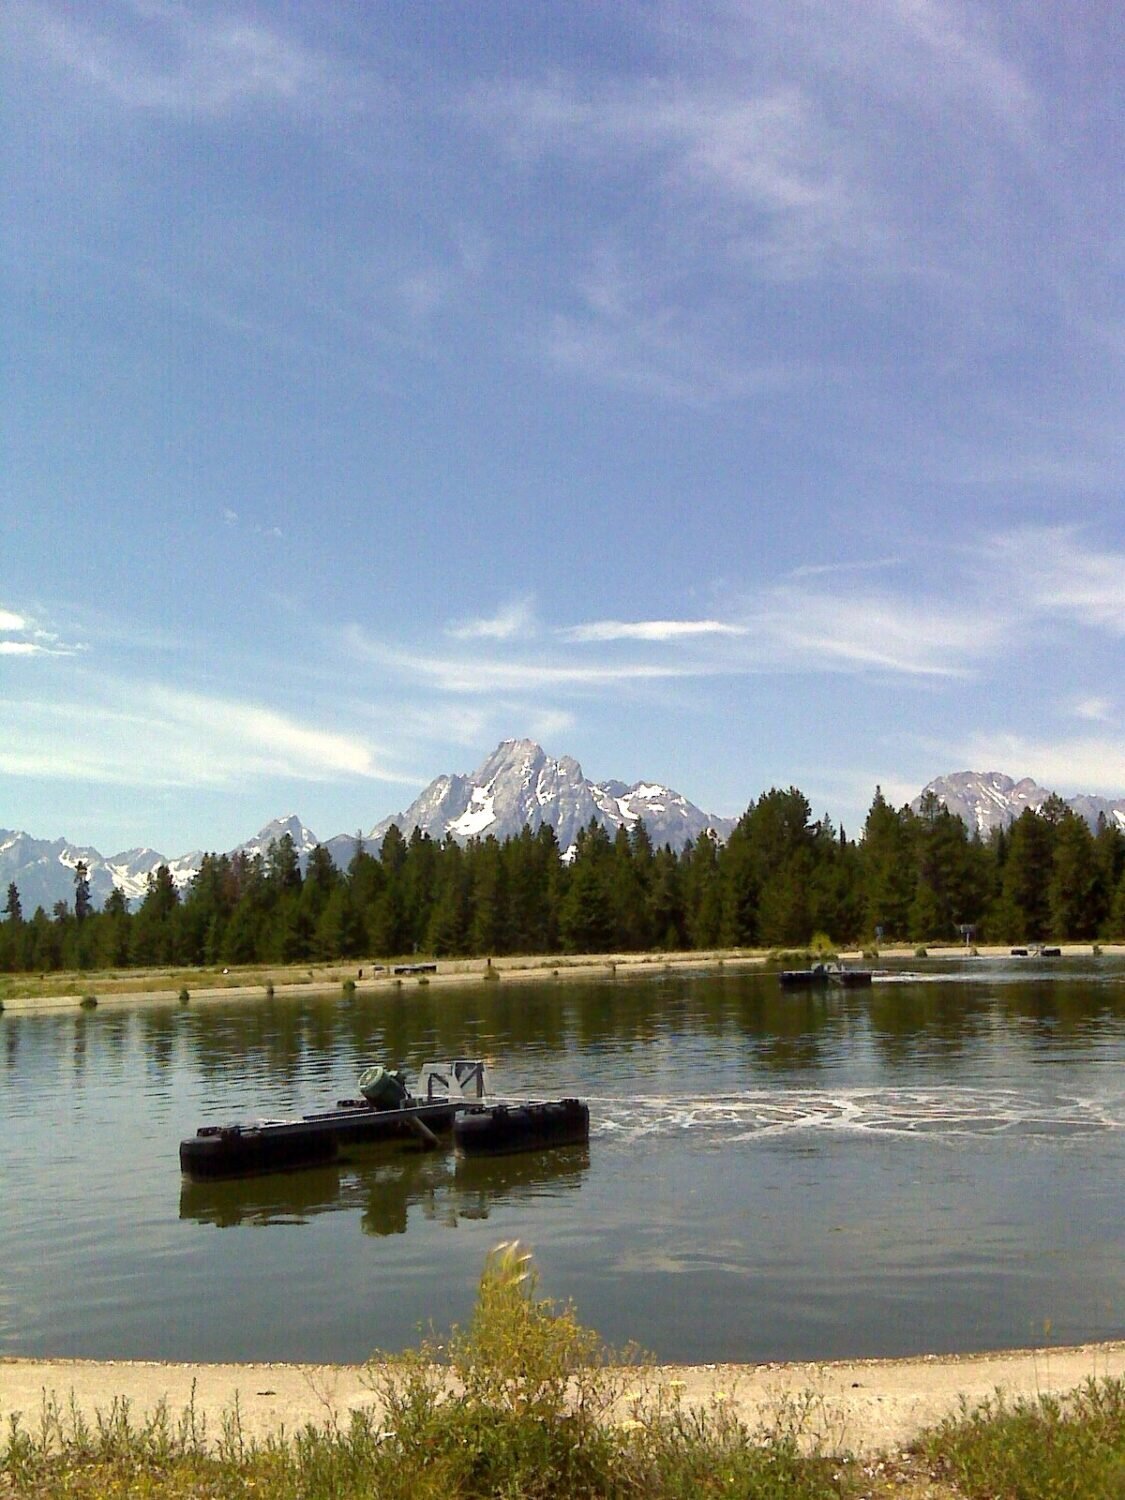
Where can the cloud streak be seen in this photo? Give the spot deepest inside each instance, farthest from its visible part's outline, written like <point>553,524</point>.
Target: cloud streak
<point>153,735</point>
<point>649,630</point>
<point>1062,577</point>
<point>515,619</point>
<point>183,61</point>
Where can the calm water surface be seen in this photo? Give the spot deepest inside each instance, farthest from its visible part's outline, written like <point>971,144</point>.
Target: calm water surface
<point>935,1165</point>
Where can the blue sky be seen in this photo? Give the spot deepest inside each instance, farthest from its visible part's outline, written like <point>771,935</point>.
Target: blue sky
<point>724,394</point>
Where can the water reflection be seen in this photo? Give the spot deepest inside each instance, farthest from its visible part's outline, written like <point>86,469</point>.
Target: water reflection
<point>383,1184</point>
<point>933,1163</point>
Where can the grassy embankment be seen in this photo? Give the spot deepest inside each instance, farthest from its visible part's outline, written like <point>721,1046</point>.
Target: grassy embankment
<point>526,1402</point>
<point>70,986</point>
<point>32,991</point>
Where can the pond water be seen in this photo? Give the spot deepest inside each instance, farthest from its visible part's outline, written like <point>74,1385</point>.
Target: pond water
<point>934,1165</point>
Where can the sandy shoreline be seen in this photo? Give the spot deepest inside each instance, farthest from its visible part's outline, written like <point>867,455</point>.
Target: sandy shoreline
<point>861,1406</point>
<point>117,989</point>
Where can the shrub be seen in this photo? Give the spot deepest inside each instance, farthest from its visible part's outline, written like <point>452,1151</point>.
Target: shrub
<point>514,1404</point>
<point>1036,1449</point>
<point>88,1002</point>
<point>184,996</point>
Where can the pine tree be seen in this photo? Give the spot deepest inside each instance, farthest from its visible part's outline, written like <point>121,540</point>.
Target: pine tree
<point>113,932</point>
<point>887,869</point>
<point>667,919</point>
<point>628,892</point>
<point>586,912</point>
<point>703,891</point>
<point>13,910</point>
<point>283,866</point>
<point>1075,898</point>
<point>488,900</point>
<point>1024,906</point>
<point>81,891</point>
<point>448,930</point>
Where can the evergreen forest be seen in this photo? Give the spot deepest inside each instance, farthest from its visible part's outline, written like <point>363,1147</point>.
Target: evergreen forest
<point>780,880</point>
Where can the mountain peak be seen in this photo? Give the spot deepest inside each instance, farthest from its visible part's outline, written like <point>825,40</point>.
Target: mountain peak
<point>986,800</point>
<point>519,785</point>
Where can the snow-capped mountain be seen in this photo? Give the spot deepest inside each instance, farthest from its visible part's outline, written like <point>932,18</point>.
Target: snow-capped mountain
<point>985,800</point>
<point>43,870</point>
<point>519,784</point>
<point>304,842</point>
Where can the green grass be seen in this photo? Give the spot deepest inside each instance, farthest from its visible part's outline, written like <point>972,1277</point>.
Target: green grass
<point>526,1402</point>
<point>1051,1448</point>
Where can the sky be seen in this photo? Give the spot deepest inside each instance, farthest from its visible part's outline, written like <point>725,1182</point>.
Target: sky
<point>723,394</point>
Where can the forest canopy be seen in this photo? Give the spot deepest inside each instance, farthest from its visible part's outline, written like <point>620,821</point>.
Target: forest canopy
<point>781,877</point>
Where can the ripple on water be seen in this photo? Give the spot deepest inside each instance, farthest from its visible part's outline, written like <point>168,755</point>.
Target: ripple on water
<point>943,1113</point>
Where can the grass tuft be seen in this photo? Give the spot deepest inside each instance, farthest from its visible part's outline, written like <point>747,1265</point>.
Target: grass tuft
<point>1049,1448</point>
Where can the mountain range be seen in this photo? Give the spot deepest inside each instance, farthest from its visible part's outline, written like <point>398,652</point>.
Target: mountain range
<point>517,784</point>
<point>985,800</point>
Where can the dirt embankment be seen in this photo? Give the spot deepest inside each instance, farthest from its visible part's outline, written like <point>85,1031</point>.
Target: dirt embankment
<point>861,1406</point>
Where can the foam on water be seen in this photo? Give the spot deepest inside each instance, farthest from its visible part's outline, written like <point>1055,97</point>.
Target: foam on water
<point>936,1113</point>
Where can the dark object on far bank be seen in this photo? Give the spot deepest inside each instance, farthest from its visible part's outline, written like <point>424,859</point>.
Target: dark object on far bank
<point>824,974</point>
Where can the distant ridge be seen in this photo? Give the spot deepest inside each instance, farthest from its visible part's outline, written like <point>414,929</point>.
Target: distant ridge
<point>985,800</point>
<point>516,784</point>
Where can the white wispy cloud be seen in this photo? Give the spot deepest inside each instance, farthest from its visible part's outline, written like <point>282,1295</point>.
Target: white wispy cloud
<point>664,350</point>
<point>1098,710</point>
<point>472,674</point>
<point>818,570</point>
<point>33,639</point>
<point>512,620</point>
<point>880,632</point>
<point>151,735</point>
<point>765,150</point>
<point>183,59</point>
<point>1061,575</point>
<point>649,630</point>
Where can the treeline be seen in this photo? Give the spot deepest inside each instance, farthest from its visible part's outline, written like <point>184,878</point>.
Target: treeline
<point>779,880</point>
